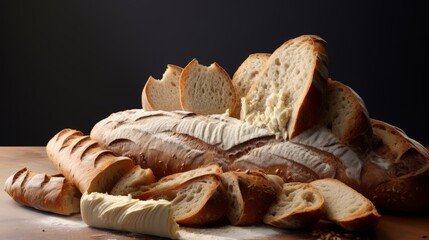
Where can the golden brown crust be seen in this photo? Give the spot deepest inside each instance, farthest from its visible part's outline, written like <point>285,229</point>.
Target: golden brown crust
<point>52,193</point>
<point>85,163</point>
<point>147,104</point>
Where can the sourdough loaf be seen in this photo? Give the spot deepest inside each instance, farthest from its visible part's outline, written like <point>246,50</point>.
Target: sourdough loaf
<point>206,90</point>
<point>85,163</point>
<point>288,93</point>
<point>163,94</point>
<point>298,205</point>
<point>249,195</point>
<point>244,77</point>
<point>52,193</point>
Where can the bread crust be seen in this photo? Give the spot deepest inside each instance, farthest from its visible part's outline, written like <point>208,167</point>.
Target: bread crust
<point>51,193</point>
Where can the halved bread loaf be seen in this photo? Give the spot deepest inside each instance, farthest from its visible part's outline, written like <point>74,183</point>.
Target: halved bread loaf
<point>249,195</point>
<point>197,202</point>
<point>206,90</point>
<point>345,206</point>
<point>347,117</point>
<point>298,205</point>
<point>288,93</point>
<point>163,94</point>
<point>52,193</point>
<point>245,75</point>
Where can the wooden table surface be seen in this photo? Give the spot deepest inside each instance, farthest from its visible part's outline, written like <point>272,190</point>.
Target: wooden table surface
<point>18,222</point>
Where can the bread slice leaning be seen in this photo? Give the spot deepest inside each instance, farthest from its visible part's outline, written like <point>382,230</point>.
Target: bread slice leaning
<point>288,93</point>
<point>347,117</point>
<point>345,206</point>
<point>298,205</point>
<point>163,94</point>
<point>206,90</point>
<point>245,75</point>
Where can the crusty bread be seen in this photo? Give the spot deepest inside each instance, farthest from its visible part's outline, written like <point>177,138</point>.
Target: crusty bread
<point>345,206</point>
<point>249,195</point>
<point>298,205</point>
<point>288,93</point>
<point>206,90</point>
<point>133,181</point>
<point>163,94</point>
<point>347,117</point>
<point>52,193</point>
<point>85,163</point>
<point>245,75</point>
<point>197,202</point>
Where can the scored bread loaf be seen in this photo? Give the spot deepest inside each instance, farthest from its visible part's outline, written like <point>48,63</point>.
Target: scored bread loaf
<point>206,90</point>
<point>52,193</point>
<point>249,195</point>
<point>347,117</point>
<point>163,94</point>
<point>200,201</point>
<point>171,142</point>
<point>345,206</point>
<point>85,163</point>
<point>244,77</point>
<point>298,205</point>
<point>288,93</point>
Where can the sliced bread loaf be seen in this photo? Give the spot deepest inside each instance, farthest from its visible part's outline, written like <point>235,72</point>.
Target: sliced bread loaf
<point>245,75</point>
<point>163,94</point>
<point>347,117</point>
<point>288,93</point>
<point>345,206</point>
<point>206,90</point>
<point>133,181</point>
<point>249,195</point>
<point>298,205</point>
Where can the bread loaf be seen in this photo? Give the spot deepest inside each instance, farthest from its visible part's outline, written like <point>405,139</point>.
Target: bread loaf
<point>163,94</point>
<point>249,195</point>
<point>288,93</point>
<point>85,163</point>
<point>298,205</point>
<point>51,193</point>
<point>133,181</point>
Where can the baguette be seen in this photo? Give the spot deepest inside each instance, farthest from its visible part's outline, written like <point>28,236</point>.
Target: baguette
<point>85,163</point>
<point>288,93</point>
<point>51,193</point>
<point>163,94</point>
<point>345,206</point>
<point>298,205</point>
<point>249,195</point>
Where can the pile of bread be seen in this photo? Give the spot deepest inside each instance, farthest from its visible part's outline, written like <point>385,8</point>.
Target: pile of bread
<point>280,143</point>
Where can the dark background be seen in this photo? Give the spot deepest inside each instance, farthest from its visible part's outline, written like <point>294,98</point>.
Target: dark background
<point>69,64</point>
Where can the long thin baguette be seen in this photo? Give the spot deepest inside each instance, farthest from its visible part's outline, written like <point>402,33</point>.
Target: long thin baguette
<point>51,193</point>
<point>85,163</point>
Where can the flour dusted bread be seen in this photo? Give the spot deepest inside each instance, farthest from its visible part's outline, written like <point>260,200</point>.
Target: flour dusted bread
<point>347,117</point>
<point>245,75</point>
<point>51,193</point>
<point>163,94</point>
<point>85,163</point>
<point>249,195</point>
<point>288,93</point>
<point>206,90</point>
<point>345,206</point>
<point>298,205</point>
<point>126,214</point>
<point>199,201</point>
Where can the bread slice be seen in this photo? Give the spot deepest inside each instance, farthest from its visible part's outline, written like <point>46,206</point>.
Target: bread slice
<point>249,195</point>
<point>133,181</point>
<point>347,117</point>
<point>206,90</point>
<point>163,94</point>
<point>197,202</point>
<point>345,206</point>
<point>245,75</point>
<point>298,205</point>
<point>288,93</point>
